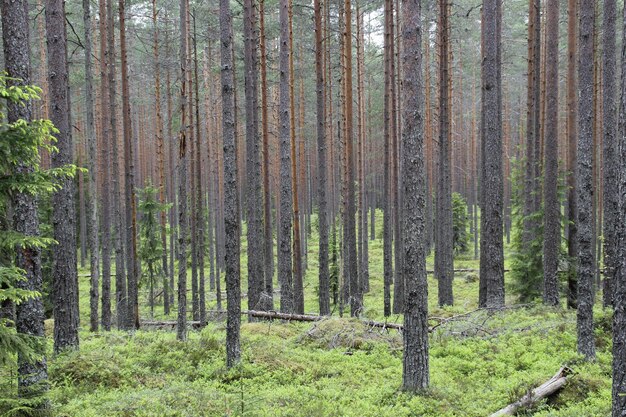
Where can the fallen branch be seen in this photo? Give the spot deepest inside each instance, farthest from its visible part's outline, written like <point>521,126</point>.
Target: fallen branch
<point>307,317</point>
<point>546,389</point>
<point>169,325</point>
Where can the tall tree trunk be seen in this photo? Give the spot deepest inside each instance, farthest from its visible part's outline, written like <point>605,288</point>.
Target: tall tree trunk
<point>285,276</point>
<point>268,238</point>
<point>64,274</point>
<point>552,205</point>
<point>572,239</point>
<point>256,262</point>
<point>444,257</point>
<point>387,220</point>
<point>619,290</point>
<point>105,128</point>
<point>491,242</point>
<point>120,278</point>
<point>160,153</point>
<point>32,375</point>
<point>611,162</point>
<point>352,274</point>
<point>181,333</point>
<point>198,202</point>
<point>584,186</point>
<point>298,287</point>
<point>132,271</point>
<point>231,196</point>
<point>90,134</point>
<point>324,272</point>
<point>415,375</point>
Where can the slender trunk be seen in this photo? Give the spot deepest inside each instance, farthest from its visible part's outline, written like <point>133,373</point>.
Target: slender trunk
<point>181,332</point>
<point>584,186</point>
<point>256,261</point>
<point>129,182</point>
<point>267,196</point>
<point>324,272</point>
<point>572,239</point>
<point>160,154</point>
<point>552,206</point>
<point>387,223</point>
<point>231,196</point>
<point>298,288</point>
<point>610,160</point>
<point>90,134</point>
<point>491,242</point>
<point>444,259</point>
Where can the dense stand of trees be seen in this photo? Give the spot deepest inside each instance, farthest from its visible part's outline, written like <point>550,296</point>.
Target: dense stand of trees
<point>212,103</point>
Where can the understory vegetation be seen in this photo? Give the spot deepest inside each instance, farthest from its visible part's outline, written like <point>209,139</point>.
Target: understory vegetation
<point>481,360</point>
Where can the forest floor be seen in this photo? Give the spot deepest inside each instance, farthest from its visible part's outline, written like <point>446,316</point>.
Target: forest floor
<point>479,362</point>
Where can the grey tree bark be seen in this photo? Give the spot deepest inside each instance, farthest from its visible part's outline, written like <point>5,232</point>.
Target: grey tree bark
<point>415,368</point>
<point>285,272</point>
<point>324,272</point>
<point>610,154</point>
<point>92,203</point>
<point>584,181</point>
<point>619,299</point>
<point>32,376</point>
<point>132,270</point>
<point>491,222</point>
<point>181,332</point>
<point>444,257</point>
<point>105,158</point>
<point>64,270</point>
<point>572,240</point>
<point>254,214</point>
<point>552,205</point>
<point>387,204</point>
<point>231,194</point>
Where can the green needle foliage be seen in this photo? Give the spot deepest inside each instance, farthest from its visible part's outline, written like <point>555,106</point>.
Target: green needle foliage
<point>20,143</point>
<point>460,224</point>
<point>151,248</point>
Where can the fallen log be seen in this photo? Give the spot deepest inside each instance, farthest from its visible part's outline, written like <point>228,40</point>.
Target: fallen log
<point>546,389</point>
<point>169,325</point>
<point>307,317</point>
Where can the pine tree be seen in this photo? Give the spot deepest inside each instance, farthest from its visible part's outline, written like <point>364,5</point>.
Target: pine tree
<point>65,273</point>
<point>231,194</point>
<point>415,368</point>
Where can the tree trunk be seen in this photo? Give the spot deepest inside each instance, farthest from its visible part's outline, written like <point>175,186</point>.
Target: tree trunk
<point>572,240</point>
<point>90,134</point>
<point>610,160</point>
<point>256,262</point>
<point>491,244</point>
<point>444,257</point>
<point>298,288</point>
<point>268,238</point>
<point>584,184</point>
<point>132,270</point>
<point>105,128</point>
<point>619,290</point>
<point>324,272</point>
<point>231,196</point>
<point>64,274</point>
<point>285,276</point>
<point>415,375</point>
<point>552,205</point>
<point>30,316</point>
<point>160,154</point>
<point>181,332</point>
<point>387,205</point>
